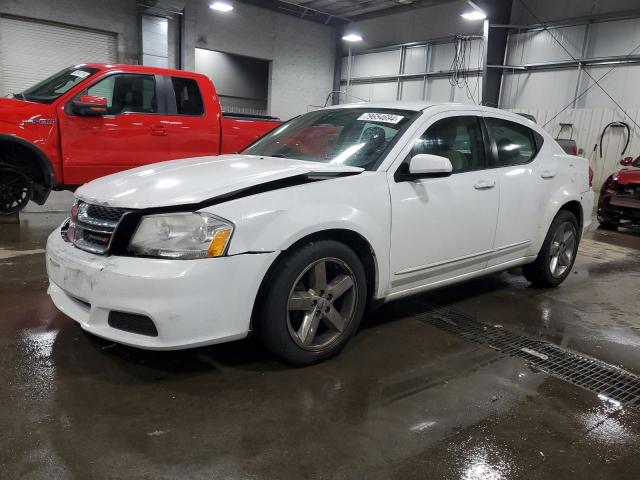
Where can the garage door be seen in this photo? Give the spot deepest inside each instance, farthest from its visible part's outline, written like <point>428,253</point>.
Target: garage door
<point>31,51</point>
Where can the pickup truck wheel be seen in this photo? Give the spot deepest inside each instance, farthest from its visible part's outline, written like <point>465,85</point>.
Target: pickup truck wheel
<point>15,190</point>
<point>314,304</point>
<point>558,252</point>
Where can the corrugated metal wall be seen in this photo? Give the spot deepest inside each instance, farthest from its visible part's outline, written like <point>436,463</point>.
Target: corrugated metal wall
<point>587,128</point>
<point>435,58</point>
<point>30,51</point>
<point>556,88</point>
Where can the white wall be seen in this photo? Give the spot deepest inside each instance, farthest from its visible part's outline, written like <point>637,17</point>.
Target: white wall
<point>553,88</point>
<point>436,89</point>
<point>302,53</point>
<point>587,128</point>
<point>117,16</point>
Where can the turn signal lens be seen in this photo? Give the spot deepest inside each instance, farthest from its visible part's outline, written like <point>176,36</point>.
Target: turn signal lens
<point>219,242</point>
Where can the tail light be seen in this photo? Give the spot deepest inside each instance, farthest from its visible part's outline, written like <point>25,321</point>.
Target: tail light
<point>590,177</point>
<point>574,150</point>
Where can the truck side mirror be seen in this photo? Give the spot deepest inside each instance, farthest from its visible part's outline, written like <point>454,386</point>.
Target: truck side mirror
<point>626,161</point>
<point>90,106</point>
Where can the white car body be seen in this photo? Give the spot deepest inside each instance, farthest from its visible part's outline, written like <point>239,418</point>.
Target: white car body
<point>422,234</point>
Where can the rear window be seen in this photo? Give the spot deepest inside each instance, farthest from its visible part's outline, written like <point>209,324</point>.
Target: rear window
<point>516,143</point>
<point>188,96</point>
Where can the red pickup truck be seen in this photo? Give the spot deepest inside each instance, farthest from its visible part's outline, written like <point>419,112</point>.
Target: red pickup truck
<point>91,120</point>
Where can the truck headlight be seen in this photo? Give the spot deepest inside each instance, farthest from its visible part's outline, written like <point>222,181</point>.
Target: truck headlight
<point>183,236</point>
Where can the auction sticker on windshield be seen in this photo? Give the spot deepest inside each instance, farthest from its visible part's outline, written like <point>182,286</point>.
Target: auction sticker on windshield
<point>381,117</point>
<point>80,73</point>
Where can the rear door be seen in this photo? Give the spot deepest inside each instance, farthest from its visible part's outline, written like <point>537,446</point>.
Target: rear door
<point>526,178</point>
<point>444,227</point>
<point>129,135</point>
<point>193,121</point>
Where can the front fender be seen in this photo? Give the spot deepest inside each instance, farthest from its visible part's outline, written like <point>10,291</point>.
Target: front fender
<point>274,221</point>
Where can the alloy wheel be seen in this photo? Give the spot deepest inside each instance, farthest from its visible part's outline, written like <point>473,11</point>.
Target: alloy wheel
<point>321,304</point>
<point>563,249</point>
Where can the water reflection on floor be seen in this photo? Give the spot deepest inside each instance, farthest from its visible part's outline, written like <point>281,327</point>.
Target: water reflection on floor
<point>404,400</point>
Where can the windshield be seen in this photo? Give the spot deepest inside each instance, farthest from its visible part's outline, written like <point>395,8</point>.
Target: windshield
<point>351,136</point>
<point>50,89</point>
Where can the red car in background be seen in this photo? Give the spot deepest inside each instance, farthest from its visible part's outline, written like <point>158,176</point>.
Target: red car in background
<point>92,120</point>
<point>619,203</point>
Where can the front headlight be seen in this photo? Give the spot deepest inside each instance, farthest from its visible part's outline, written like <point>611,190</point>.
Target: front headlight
<point>183,236</point>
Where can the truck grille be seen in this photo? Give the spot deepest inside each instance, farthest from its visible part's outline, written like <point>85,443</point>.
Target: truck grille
<point>92,226</point>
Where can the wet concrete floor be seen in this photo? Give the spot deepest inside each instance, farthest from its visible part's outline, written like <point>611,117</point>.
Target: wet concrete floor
<point>404,400</point>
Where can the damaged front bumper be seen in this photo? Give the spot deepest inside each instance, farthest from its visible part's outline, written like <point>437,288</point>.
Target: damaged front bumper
<point>188,302</point>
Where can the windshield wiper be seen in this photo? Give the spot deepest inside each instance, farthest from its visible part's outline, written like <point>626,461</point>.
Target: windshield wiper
<point>19,96</point>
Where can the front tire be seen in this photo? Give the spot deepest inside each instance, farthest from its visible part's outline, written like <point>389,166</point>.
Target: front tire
<point>314,303</point>
<point>15,190</point>
<point>558,253</point>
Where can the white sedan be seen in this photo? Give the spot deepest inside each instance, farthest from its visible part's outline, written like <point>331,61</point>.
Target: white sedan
<point>329,213</point>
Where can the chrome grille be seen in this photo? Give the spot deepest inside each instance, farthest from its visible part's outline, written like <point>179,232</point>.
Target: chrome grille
<point>92,226</point>
<point>108,214</point>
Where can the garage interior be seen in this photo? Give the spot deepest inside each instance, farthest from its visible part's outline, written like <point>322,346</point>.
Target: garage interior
<point>488,379</point>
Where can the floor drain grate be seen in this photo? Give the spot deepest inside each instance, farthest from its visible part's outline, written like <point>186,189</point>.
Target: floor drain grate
<point>581,370</point>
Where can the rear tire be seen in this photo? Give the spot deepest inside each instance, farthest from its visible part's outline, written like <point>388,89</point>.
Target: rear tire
<point>558,253</point>
<point>314,303</point>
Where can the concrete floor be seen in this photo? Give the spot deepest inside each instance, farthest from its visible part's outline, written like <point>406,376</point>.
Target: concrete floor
<point>404,400</point>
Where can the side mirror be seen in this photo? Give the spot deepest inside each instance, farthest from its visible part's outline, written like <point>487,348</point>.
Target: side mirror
<point>626,161</point>
<point>90,106</point>
<point>427,165</point>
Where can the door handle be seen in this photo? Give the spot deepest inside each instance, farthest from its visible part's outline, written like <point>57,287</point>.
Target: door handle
<point>548,174</point>
<point>158,130</point>
<point>484,185</point>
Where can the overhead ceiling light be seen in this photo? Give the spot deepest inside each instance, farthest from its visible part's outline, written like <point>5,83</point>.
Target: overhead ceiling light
<point>474,15</point>
<point>221,6</point>
<point>352,37</point>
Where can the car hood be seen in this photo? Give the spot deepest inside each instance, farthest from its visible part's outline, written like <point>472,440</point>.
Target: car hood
<point>628,175</point>
<point>201,179</point>
<point>18,110</point>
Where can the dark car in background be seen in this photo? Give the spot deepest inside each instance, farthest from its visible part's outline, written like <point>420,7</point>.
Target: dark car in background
<point>619,202</point>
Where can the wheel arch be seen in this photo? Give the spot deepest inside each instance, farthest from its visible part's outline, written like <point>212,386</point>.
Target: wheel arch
<point>360,245</point>
<point>36,166</point>
<point>574,207</point>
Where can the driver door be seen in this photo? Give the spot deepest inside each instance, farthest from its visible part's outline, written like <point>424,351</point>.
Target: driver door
<point>444,227</point>
<point>129,135</point>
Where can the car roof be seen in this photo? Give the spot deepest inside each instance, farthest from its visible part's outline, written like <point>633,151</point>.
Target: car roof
<point>419,105</point>
<point>141,69</point>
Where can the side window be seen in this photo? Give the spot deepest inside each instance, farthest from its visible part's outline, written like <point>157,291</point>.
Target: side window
<point>127,93</point>
<point>457,138</point>
<point>516,143</point>
<point>188,97</point>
